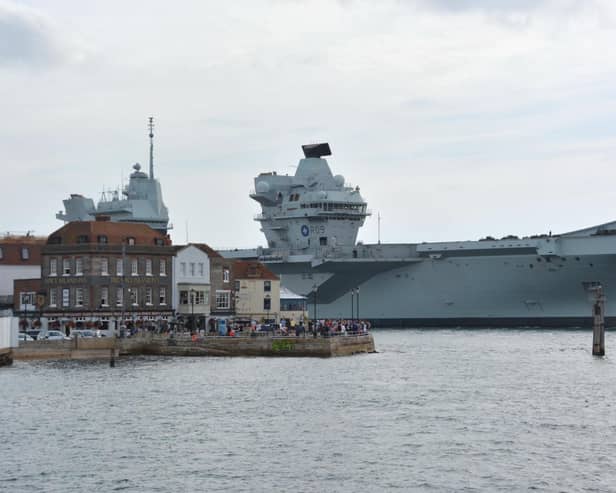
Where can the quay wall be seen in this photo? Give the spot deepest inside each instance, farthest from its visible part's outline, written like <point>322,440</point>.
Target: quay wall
<point>6,357</point>
<point>78,348</point>
<point>323,347</point>
<point>102,348</point>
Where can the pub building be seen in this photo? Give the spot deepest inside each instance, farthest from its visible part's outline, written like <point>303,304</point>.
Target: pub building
<point>102,275</point>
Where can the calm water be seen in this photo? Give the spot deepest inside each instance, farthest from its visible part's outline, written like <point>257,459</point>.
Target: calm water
<point>436,410</point>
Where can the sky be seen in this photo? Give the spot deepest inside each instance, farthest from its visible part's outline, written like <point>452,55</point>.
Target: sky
<point>456,118</point>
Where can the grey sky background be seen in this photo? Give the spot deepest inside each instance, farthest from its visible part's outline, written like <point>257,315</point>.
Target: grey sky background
<point>458,119</point>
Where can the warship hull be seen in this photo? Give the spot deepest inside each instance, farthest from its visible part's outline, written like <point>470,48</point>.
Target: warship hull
<point>537,283</point>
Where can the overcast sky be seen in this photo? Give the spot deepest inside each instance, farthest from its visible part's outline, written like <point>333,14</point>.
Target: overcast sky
<point>457,118</point>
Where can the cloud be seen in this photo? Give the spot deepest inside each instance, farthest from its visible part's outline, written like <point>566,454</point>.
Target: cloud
<point>29,38</point>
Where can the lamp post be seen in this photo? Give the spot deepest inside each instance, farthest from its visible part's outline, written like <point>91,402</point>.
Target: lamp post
<point>357,295</point>
<point>314,328</point>
<point>192,310</point>
<point>352,310</point>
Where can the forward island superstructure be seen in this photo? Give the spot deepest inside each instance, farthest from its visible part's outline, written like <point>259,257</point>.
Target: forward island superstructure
<point>311,221</point>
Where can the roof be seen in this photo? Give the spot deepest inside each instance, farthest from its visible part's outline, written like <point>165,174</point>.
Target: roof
<point>116,232</point>
<point>201,246</point>
<point>251,269</point>
<point>287,294</point>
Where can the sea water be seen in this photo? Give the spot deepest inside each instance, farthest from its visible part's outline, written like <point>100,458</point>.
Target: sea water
<point>434,410</point>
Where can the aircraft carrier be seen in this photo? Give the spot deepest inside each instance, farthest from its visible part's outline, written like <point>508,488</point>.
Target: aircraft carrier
<point>311,221</point>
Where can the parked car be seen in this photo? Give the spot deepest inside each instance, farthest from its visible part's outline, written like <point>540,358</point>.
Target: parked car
<point>83,333</point>
<point>33,333</point>
<point>55,335</point>
<point>23,336</point>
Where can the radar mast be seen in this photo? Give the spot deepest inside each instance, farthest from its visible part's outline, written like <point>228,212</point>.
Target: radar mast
<point>151,127</point>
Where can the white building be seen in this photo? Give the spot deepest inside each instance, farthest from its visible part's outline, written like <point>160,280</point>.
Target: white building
<point>191,285</point>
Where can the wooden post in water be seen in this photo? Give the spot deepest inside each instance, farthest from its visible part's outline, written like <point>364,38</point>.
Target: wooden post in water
<point>598,330</point>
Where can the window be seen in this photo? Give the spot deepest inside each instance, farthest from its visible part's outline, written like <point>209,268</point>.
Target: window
<point>225,275</point>
<point>26,298</point>
<point>53,266</point>
<point>66,267</point>
<point>104,296</point>
<point>192,269</point>
<point>223,300</point>
<point>267,304</point>
<point>183,297</point>
<point>83,239</point>
<point>199,297</point>
<point>78,296</point>
<point>132,296</point>
<point>102,239</point>
<point>104,266</point>
<point>119,296</point>
<point>119,267</point>
<point>162,296</point>
<point>237,285</point>
<point>134,267</point>
<point>148,296</point>
<point>25,253</point>
<point>66,296</point>
<point>267,285</point>
<point>130,240</point>
<point>159,242</point>
<point>52,297</point>
<point>163,267</point>
<point>201,268</point>
<point>1,253</point>
<point>79,266</point>
<point>183,268</point>
<point>148,266</point>
<point>55,240</point>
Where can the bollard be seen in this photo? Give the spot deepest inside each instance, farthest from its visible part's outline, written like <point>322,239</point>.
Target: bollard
<point>598,332</point>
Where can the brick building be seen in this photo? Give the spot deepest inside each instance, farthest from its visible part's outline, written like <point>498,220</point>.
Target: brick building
<point>20,258</point>
<point>96,273</point>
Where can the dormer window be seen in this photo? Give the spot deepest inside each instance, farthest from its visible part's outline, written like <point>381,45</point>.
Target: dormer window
<point>159,242</point>
<point>130,240</point>
<point>25,253</point>
<point>83,239</point>
<point>1,253</point>
<point>102,239</point>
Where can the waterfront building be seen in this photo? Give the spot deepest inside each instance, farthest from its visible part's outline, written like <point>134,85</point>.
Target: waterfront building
<point>191,284</point>
<point>104,274</point>
<point>20,258</point>
<point>222,276</point>
<point>28,302</point>
<point>257,292</point>
<point>292,305</point>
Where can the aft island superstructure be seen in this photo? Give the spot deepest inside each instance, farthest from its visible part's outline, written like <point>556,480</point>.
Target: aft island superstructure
<point>311,221</point>
<point>141,201</point>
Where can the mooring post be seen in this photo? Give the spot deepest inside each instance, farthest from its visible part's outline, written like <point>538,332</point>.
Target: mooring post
<point>112,358</point>
<point>598,333</point>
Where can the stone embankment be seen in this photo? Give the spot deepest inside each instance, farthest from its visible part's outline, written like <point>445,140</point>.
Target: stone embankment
<point>308,346</point>
<point>150,344</point>
<point>6,357</point>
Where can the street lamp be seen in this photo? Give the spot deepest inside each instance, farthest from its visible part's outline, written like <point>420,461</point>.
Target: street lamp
<point>192,310</point>
<point>314,289</point>
<point>352,310</point>
<point>357,294</point>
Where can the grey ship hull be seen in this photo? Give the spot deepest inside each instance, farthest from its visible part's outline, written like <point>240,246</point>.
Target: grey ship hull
<point>509,283</point>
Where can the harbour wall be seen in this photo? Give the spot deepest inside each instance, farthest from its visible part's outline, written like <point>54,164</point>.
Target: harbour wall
<point>103,348</point>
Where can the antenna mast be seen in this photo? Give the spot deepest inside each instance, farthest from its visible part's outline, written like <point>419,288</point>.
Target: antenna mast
<point>151,127</point>
<point>379,227</point>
